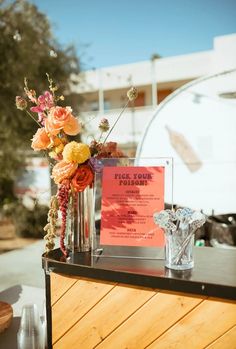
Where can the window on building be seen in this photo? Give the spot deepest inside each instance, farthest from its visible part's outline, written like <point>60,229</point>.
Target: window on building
<point>140,100</point>
<point>93,106</point>
<point>107,104</point>
<point>162,94</point>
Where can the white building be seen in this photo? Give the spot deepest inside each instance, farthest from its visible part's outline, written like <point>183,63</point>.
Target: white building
<point>104,90</point>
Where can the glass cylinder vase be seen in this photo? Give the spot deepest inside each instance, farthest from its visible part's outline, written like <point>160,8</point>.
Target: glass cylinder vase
<point>30,333</point>
<point>179,249</point>
<point>80,223</point>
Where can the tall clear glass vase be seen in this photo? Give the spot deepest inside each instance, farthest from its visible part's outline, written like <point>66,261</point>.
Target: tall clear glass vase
<point>80,223</point>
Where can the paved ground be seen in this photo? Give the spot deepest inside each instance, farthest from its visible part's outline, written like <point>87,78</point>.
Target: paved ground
<point>21,283</point>
<point>22,266</point>
<point>7,245</point>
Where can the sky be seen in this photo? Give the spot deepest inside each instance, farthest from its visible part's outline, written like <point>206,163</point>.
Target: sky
<point>114,32</point>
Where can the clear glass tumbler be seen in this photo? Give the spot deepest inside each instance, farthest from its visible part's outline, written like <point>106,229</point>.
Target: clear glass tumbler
<point>179,250</point>
<point>30,335</point>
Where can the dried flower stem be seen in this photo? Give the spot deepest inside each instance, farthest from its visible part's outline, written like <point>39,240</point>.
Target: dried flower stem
<point>122,111</point>
<point>51,87</point>
<point>50,227</point>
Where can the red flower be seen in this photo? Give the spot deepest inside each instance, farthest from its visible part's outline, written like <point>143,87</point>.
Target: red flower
<point>82,178</point>
<point>110,150</point>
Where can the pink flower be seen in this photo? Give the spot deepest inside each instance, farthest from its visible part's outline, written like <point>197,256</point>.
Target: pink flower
<point>44,103</point>
<point>46,100</point>
<point>41,114</point>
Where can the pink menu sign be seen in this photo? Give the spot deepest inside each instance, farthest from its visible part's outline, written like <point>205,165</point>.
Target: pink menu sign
<point>130,196</point>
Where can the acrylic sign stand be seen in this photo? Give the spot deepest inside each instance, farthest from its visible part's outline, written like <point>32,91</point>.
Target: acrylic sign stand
<point>127,194</point>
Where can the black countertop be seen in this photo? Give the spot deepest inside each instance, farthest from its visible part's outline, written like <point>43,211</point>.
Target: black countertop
<point>214,272</point>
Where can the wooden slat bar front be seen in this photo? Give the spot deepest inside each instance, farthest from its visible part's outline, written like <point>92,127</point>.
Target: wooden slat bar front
<point>117,304</point>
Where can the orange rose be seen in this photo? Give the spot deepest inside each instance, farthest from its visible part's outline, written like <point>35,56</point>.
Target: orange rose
<point>61,118</point>
<point>72,128</point>
<point>40,140</point>
<point>50,128</point>
<point>63,170</point>
<point>82,178</point>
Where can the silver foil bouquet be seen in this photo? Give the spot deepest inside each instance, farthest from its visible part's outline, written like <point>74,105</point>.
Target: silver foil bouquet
<point>179,227</point>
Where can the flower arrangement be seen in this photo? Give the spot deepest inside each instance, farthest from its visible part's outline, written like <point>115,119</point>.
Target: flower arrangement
<point>73,163</point>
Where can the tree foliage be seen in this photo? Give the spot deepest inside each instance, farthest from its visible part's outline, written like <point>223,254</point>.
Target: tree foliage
<point>28,49</point>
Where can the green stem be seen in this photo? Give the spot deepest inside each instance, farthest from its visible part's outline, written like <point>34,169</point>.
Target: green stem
<point>100,137</point>
<point>33,118</point>
<point>86,123</point>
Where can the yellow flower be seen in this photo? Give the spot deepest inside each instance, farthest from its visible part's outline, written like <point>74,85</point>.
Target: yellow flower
<point>59,148</point>
<point>76,152</point>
